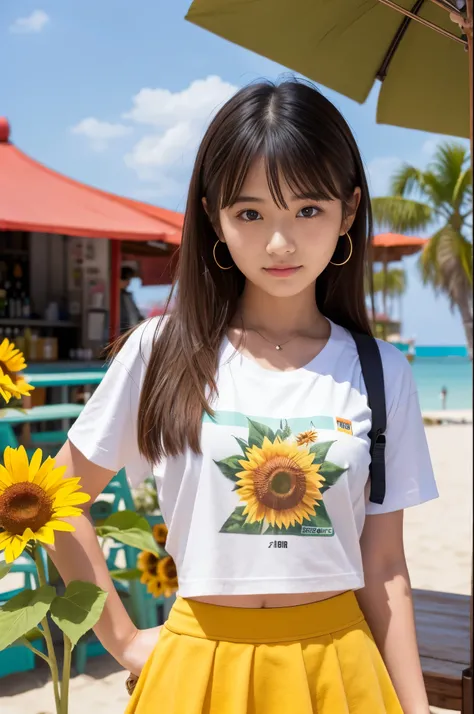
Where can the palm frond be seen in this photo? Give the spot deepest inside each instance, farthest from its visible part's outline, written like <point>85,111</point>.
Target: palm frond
<point>401,215</point>
<point>406,181</point>
<point>446,263</point>
<point>449,161</point>
<point>462,194</point>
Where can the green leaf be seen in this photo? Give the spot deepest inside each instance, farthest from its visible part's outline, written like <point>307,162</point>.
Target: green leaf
<point>126,574</point>
<point>131,529</point>
<point>243,445</point>
<point>320,524</point>
<point>23,612</point>
<point>79,609</point>
<point>257,433</point>
<point>236,524</point>
<point>134,537</point>
<point>320,451</point>
<point>331,473</point>
<point>34,634</point>
<point>5,569</point>
<point>230,467</point>
<point>126,520</point>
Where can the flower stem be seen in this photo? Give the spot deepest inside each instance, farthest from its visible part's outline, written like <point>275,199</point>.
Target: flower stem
<point>28,644</point>
<point>52,661</point>
<point>66,674</point>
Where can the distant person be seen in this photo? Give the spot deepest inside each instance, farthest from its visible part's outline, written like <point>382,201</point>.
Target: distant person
<point>130,315</point>
<point>443,395</point>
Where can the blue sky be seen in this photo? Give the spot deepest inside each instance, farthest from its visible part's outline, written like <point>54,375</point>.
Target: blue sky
<point>117,94</point>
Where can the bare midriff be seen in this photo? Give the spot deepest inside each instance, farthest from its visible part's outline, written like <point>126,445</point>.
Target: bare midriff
<point>267,601</point>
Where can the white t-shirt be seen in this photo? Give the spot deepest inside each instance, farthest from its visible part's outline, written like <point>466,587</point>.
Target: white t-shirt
<point>276,503</point>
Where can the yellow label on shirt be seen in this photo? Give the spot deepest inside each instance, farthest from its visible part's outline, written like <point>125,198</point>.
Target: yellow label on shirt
<point>344,425</point>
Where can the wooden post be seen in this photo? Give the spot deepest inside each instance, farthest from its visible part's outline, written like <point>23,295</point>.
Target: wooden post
<point>115,261</point>
<point>467,674</point>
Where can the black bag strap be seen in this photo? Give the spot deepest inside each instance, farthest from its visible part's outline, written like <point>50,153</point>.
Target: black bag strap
<point>372,372</point>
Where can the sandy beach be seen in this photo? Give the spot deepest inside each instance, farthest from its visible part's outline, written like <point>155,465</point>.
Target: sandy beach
<point>438,547</point>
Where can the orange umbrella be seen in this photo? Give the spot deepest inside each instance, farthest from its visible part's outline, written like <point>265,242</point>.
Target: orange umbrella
<point>392,247</point>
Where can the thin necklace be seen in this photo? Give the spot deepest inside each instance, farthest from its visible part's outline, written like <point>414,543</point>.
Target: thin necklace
<point>278,346</point>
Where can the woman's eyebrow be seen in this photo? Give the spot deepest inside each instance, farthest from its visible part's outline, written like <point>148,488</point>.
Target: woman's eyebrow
<point>249,199</point>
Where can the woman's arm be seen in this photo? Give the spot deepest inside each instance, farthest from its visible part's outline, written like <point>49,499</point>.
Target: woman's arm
<point>387,604</point>
<point>78,556</point>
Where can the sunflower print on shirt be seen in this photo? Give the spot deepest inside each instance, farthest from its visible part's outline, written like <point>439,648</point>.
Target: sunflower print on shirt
<point>280,481</point>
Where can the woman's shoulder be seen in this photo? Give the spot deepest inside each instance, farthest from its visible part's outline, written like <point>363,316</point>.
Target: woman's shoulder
<point>136,348</point>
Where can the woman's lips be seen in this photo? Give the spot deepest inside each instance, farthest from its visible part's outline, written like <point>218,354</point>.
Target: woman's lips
<point>283,272</point>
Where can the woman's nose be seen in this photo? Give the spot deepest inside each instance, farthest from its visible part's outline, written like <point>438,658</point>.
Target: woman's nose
<point>280,244</point>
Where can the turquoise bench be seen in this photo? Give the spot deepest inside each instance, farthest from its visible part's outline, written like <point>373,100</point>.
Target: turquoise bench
<point>49,412</point>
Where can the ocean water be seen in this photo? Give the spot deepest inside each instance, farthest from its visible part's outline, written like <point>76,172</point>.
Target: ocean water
<point>438,367</point>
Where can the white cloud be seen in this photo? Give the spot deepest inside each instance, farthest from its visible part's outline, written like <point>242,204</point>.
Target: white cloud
<point>380,172</point>
<point>31,24</point>
<point>196,103</point>
<point>100,133</point>
<point>178,120</point>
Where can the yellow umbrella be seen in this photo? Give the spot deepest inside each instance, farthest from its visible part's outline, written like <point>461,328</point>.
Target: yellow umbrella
<point>412,46</point>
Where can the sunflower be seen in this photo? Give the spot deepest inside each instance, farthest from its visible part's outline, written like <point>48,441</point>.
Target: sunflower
<point>280,483</point>
<point>148,563</point>
<point>11,362</point>
<point>34,497</point>
<point>168,575</point>
<point>13,386</point>
<point>11,358</point>
<point>306,438</point>
<point>160,533</point>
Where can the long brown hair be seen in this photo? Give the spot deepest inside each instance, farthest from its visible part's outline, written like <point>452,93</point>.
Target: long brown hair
<point>302,137</point>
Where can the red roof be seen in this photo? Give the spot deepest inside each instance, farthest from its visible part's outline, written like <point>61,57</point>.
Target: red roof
<point>36,198</point>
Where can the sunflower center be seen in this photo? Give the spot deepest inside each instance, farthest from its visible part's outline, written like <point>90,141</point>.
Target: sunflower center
<point>280,483</point>
<point>24,505</point>
<point>170,569</point>
<point>151,563</point>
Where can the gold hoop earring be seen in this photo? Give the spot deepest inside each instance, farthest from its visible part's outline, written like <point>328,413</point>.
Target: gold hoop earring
<point>215,259</point>
<point>348,257</point>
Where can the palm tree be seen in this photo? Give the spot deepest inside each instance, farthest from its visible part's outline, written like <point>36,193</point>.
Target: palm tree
<point>439,197</point>
<point>390,285</point>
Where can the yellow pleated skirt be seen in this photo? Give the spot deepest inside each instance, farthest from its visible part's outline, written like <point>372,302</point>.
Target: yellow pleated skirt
<point>309,659</point>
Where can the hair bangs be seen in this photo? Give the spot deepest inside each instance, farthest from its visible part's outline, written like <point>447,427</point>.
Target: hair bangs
<point>289,159</point>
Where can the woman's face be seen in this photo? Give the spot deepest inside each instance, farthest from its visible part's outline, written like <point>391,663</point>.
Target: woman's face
<point>281,251</point>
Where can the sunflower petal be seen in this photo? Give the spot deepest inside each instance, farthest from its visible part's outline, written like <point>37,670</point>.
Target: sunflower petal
<point>5,478</point>
<point>17,546</point>
<point>73,499</point>
<point>35,464</point>
<point>4,537</point>
<point>58,525</point>
<point>44,471</point>
<point>45,535</point>
<point>20,463</point>
<point>67,512</point>
<point>28,535</point>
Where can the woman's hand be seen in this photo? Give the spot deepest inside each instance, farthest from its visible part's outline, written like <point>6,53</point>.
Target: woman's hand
<point>137,651</point>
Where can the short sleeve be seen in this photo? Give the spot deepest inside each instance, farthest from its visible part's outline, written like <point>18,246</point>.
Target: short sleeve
<point>106,431</point>
<point>409,473</point>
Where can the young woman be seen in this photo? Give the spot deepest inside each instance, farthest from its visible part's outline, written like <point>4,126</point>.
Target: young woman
<point>248,404</point>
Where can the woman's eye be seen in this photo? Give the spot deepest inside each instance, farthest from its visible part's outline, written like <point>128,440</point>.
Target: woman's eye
<point>308,212</point>
<point>250,215</point>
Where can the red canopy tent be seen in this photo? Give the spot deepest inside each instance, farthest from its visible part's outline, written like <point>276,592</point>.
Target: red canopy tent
<point>36,198</point>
